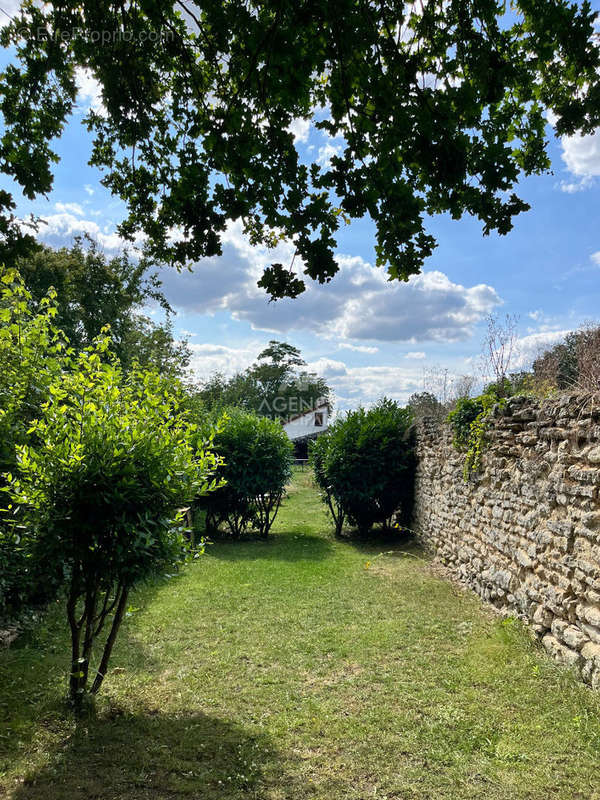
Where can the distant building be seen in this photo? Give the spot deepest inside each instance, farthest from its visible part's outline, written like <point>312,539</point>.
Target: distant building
<point>301,428</point>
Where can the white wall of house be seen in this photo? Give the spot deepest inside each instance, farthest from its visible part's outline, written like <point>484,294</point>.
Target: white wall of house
<point>313,421</point>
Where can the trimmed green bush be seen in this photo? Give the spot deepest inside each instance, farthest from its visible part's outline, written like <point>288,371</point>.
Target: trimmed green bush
<point>257,464</point>
<point>363,466</point>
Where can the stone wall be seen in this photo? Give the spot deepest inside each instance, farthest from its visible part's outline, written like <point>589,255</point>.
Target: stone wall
<point>525,533</point>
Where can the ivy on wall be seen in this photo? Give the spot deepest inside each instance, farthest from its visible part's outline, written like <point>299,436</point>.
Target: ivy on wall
<point>470,420</point>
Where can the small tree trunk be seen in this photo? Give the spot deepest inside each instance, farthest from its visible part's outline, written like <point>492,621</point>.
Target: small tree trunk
<point>337,514</point>
<point>119,613</point>
<point>76,685</point>
<point>91,603</point>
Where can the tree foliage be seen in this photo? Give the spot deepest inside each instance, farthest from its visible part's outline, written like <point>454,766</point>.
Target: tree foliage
<point>96,463</point>
<point>277,385</point>
<point>257,462</point>
<point>92,291</point>
<point>31,355</point>
<point>436,107</point>
<point>425,404</point>
<point>572,364</point>
<point>99,490</point>
<point>363,465</point>
<point>462,416</point>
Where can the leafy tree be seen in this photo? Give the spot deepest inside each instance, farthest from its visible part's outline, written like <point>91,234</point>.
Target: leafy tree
<point>93,291</point>
<point>275,386</point>
<point>284,387</point>
<point>363,465</point>
<point>31,350</point>
<point>239,391</point>
<point>257,463</point>
<point>558,365</point>
<point>275,366</point>
<point>425,404</point>
<point>437,107</point>
<point>153,345</point>
<point>573,363</point>
<point>99,493</point>
<point>31,355</point>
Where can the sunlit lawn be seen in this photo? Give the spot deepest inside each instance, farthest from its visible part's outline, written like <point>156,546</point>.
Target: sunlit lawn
<point>289,669</point>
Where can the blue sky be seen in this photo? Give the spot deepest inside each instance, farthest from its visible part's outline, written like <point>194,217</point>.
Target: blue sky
<point>367,336</point>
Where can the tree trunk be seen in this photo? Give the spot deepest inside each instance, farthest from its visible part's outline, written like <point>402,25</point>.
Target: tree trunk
<point>76,687</point>
<point>91,603</point>
<point>119,613</point>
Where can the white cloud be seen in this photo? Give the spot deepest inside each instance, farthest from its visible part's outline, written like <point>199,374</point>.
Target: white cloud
<point>355,386</point>
<point>358,348</point>
<point>596,257</point>
<point>300,128</point>
<point>571,187</point>
<point>328,367</point>
<point>530,347</point>
<point>326,153</point>
<point>416,355</point>
<point>359,303</point>
<point>89,189</point>
<point>70,208</point>
<point>210,358</point>
<point>10,8</point>
<point>61,227</point>
<point>427,307</point>
<point>89,93</point>
<point>581,154</point>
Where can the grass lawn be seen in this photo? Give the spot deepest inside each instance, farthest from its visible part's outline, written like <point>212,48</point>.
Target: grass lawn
<point>290,669</point>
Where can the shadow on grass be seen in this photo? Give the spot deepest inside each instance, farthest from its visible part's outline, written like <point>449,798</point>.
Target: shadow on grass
<point>279,547</point>
<point>34,676</point>
<point>380,540</point>
<point>153,755</point>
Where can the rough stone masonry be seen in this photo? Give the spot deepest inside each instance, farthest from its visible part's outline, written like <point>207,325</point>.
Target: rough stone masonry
<point>525,532</point>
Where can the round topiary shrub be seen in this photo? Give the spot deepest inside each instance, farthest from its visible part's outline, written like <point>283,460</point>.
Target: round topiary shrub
<point>363,466</point>
<point>257,464</point>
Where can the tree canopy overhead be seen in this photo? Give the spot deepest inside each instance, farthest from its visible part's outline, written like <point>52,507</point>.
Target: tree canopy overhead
<point>439,106</point>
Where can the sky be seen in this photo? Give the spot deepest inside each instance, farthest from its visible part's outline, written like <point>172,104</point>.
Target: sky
<point>368,337</point>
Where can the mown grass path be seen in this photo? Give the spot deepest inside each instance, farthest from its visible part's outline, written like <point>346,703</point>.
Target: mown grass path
<point>289,670</point>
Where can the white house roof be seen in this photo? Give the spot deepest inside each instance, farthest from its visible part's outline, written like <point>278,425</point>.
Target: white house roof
<point>321,407</point>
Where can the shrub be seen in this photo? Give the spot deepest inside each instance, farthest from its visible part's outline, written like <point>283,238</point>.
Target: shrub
<point>573,364</point>
<point>31,353</point>
<point>318,452</point>
<point>363,465</point>
<point>98,492</point>
<point>257,464</point>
